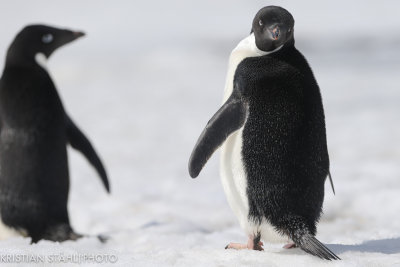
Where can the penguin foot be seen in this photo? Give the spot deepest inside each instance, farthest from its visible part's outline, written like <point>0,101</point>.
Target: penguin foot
<point>250,245</point>
<point>58,233</point>
<point>236,246</point>
<point>290,245</point>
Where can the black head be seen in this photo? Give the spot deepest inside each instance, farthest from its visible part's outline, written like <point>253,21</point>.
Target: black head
<point>273,27</point>
<point>43,39</point>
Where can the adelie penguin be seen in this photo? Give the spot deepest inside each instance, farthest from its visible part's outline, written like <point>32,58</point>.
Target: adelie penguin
<point>35,132</point>
<point>274,158</point>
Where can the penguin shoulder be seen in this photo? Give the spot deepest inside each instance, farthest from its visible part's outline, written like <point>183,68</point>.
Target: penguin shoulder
<point>254,69</point>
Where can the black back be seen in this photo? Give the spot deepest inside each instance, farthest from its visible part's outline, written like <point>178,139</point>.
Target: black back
<point>284,140</point>
<point>34,169</point>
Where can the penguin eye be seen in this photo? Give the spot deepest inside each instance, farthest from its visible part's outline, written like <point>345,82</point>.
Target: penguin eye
<point>47,38</point>
<point>260,22</point>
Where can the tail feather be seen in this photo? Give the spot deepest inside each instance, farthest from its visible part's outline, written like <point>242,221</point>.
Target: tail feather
<point>331,181</point>
<point>312,246</point>
<point>302,232</point>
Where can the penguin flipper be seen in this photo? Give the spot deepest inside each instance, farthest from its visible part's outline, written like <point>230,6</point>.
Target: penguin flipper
<point>79,142</point>
<point>229,118</point>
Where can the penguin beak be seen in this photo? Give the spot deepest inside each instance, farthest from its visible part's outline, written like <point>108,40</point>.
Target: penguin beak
<point>229,118</point>
<point>274,32</point>
<point>78,34</point>
<point>66,36</point>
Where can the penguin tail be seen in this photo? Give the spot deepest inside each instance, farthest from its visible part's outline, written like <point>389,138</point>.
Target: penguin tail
<point>313,246</point>
<point>331,181</point>
<point>303,235</point>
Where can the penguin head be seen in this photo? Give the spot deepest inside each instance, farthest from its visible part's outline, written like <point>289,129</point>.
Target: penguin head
<point>272,28</point>
<point>34,39</point>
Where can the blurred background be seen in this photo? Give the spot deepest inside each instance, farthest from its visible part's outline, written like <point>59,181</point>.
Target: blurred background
<point>144,82</point>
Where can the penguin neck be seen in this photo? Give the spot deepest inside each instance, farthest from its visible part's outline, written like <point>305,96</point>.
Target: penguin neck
<point>289,44</point>
<point>248,45</point>
<point>246,48</point>
<point>24,58</point>
<point>41,60</point>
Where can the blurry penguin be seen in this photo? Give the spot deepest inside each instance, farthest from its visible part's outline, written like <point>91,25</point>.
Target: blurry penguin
<point>34,133</point>
<point>272,130</point>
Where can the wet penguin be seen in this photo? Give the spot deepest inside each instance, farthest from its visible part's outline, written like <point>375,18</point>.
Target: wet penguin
<point>34,133</point>
<point>274,158</point>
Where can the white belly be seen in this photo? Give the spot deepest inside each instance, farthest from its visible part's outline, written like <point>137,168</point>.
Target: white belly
<point>233,176</point>
<point>234,182</point>
<point>232,171</point>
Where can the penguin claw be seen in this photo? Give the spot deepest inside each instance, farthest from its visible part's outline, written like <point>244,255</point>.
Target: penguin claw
<point>255,243</point>
<point>258,247</point>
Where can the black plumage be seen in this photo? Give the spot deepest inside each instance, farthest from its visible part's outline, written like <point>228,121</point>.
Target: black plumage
<point>284,142</point>
<point>35,130</point>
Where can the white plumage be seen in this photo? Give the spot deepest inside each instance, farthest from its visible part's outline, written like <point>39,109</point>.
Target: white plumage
<point>41,60</point>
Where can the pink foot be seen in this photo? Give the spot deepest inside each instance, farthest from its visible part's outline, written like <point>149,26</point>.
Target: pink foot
<point>250,245</point>
<point>290,245</point>
<point>236,246</point>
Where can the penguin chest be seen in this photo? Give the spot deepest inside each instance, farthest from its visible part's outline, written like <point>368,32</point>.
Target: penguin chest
<point>232,171</point>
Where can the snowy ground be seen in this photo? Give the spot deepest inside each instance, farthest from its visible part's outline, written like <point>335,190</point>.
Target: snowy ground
<point>143,84</point>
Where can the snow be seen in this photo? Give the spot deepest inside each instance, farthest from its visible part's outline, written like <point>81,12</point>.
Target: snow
<point>145,80</point>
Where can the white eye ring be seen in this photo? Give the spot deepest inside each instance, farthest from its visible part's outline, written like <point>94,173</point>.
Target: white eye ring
<point>47,38</point>
<point>260,22</point>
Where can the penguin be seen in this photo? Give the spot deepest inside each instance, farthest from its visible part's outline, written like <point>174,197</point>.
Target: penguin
<point>271,130</point>
<point>34,132</point>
